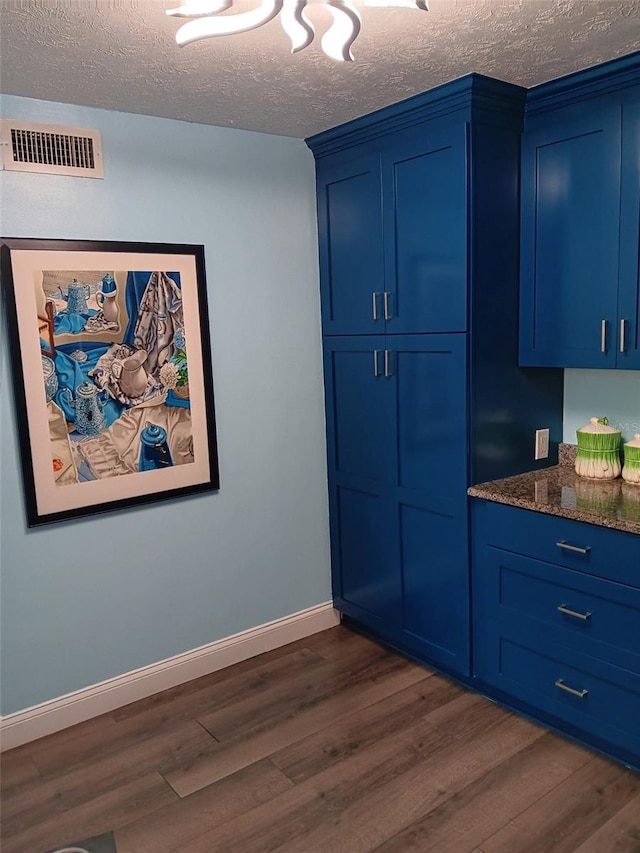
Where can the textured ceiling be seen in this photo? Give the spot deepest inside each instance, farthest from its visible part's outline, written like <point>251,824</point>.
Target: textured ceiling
<point>121,55</point>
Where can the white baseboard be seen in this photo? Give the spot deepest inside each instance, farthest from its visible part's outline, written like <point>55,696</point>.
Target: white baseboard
<point>81,705</point>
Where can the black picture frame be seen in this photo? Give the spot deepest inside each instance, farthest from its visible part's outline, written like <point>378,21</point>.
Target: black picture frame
<point>112,374</point>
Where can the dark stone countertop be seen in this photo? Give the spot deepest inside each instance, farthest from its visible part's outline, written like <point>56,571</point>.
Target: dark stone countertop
<point>559,491</point>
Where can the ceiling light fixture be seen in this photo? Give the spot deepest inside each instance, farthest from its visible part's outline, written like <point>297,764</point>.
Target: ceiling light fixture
<point>336,42</point>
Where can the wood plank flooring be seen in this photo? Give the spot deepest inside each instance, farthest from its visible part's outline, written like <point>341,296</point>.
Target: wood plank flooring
<point>332,744</point>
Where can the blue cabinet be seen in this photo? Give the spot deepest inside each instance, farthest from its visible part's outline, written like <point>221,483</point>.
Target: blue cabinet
<point>424,207</point>
<point>556,630</point>
<point>581,227</point>
<point>351,246</point>
<point>397,421</point>
<point>629,276</point>
<point>418,228</point>
<point>392,229</point>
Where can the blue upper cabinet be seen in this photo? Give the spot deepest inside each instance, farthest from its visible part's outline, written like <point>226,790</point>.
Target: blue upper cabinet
<point>629,282</point>
<point>571,223</point>
<point>351,250</point>
<point>424,204</point>
<point>580,228</point>
<point>392,229</point>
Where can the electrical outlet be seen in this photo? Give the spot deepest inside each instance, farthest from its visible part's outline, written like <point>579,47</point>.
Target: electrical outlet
<point>542,444</point>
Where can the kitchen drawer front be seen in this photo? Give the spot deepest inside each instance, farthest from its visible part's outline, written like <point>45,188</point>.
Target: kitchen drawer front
<point>598,617</point>
<point>588,548</point>
<point>597,698</point>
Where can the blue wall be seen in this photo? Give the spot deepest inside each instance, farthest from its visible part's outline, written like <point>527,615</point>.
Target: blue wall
<point>88,600</point>
<point>614,394</point>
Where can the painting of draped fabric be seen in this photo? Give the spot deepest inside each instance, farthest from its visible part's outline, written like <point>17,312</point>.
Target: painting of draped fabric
<point>110,346</point>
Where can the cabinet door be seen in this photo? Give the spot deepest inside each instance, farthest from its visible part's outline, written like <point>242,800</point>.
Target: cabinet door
<point>360,441</point>
<point>425,230</point>
<point>351,253</point>
<point>366,583</point>
<point>396,438</point>
<point>360,425</point>
<point>430,507</point>
<point>570,232</point>
<point>629,300</point>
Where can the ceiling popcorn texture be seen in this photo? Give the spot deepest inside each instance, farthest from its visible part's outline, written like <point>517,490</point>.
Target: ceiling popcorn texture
<point>122,55</point>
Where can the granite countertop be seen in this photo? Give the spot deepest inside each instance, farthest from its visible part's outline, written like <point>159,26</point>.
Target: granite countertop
<point>559,491</point>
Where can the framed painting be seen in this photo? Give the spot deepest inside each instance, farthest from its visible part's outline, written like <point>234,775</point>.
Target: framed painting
<point>111,361</point>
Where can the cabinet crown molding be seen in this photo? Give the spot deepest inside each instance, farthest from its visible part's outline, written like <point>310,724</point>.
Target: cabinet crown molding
<point>612,76</point>
<point>484,98</point>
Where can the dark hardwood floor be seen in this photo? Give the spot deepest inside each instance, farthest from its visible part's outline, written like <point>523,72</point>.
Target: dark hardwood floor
<point>329,744</point>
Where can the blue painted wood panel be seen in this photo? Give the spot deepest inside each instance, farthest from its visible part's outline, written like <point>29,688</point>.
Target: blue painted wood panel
<point>435,579</point>
<point>570,608</point>
<point>430,412</point>
<point>629,296</point>
<point>430,405</point>
<point>425,215</point>
<point>523,645</point>
<point>364,549</point>
<point>360,417</point>
<point>397,472</point>
<point>351,246</point>
<point>608,701</point>
<point>570,228</point>
<point>611,554</point>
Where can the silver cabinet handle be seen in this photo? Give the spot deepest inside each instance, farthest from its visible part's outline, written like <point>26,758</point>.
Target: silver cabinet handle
<point>579,693</point>
<point>385,298</point>
<point>387,363</point>
<point>603,336</point>
<point>376,372</point>
<point>575,613</point>
<point>623,335</point>
<point>374,299</point>
<point>566,547</point>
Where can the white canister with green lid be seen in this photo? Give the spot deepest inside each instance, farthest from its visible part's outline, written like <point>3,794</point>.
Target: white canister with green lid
<point>598,450</point>
<point>631,469</point>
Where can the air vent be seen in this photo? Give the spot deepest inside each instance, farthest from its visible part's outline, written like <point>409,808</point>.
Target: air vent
<point>52,149</point>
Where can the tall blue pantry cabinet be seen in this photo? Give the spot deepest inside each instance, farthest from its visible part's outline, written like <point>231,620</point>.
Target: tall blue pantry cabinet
<point>419,252</point>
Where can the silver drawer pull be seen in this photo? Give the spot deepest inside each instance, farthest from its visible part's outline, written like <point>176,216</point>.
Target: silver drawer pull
<point>623,335</point>
<point>603,336</point>
<point>575,613</point>
<point>387,363</point>
<point>385,298</point>
<point>376,371</point>
<point>374,297</point>
<point>579,693</point>
<point>566,547</point>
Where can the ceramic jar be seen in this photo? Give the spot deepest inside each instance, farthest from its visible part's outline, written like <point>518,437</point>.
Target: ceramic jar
<point>631,469</point>
<point>598,455</point>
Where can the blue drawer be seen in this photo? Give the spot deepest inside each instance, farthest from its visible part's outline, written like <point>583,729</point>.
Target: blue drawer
<point>595,616</point>
<point>600,551</point>
<point>594,697</point>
